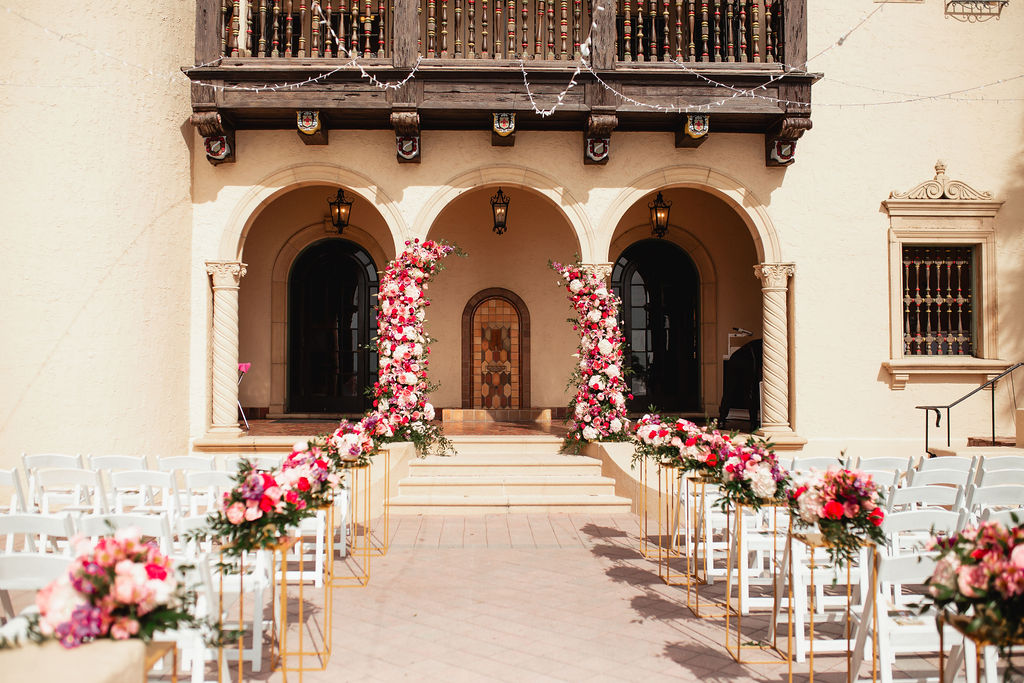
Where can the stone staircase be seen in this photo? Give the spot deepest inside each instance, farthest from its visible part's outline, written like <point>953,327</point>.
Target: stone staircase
<point>506,474</point>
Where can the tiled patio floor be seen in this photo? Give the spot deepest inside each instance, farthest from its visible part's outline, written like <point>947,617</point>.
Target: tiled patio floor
<point>528,598</point>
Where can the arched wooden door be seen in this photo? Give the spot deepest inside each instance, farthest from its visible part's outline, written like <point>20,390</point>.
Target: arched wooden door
<point>496,353</point>
<point>332,291</point>
<point>660,291</point>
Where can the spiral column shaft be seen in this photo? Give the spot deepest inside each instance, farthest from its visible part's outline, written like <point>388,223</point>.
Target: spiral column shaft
<point>775,332</point>
<point>225,277</point>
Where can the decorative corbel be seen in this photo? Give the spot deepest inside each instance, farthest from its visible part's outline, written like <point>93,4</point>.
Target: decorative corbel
<point>407,135</point>
<point>503,131</point>
<point>218,136</point>
<point>693,131</point>
<point>780,140</point>
<point>310,128</point>
<point>597,137</point>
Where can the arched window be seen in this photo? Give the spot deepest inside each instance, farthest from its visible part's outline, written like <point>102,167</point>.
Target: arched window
<point>332,321</point>
<point>659,287</point>
<point>496,351</point>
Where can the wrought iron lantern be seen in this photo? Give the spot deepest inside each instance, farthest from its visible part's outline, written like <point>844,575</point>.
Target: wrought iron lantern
<point>341,210</point>
<point>659,216</point>
<point>499,206</point>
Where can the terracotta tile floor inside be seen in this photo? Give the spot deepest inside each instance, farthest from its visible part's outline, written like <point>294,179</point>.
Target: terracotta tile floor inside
<point>304,427</point>
<point>530,598</point>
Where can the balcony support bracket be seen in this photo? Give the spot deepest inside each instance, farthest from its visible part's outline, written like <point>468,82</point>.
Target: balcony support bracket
<point>780,140</point>
<point>310,127</point>
<point>218,136</point>
<point>694,130</point>
<point>503,131</point>
<point>597,136</point>
<point>406,123</point>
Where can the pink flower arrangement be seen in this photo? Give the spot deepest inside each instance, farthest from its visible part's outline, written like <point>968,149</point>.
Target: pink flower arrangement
<point>752,475</point>
<point>309,472</point>
<point>401,410</point>
<point>980,573</point>
<point>118,588</point>
<point>598,410</point>
<point>682,444</point>
<point>846,507</point>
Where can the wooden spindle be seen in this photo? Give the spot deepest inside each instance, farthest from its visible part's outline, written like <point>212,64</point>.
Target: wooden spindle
<point>431,29</point>
<point>483,30</point>
<point>538,31</point>
<point>471,22</point>
<point>303,15</point>
<point>730,43</point>
<point>718,30</point>
<point>499,26</point>
<point>679,29</point>
<point>640,30</point>
<point>367,25</point>
<point>577,19</point>
<point>525,28</point>
<point>692,19</point>
<point>563,31</point>
<point>551,30</point>
<point>250,47</point>
<point>666,46</point>
<point>342,33</point>
<point>353,50</point>
<point>769,47</point>
<point>382,28</point>
<point>314,16</point>
<point>704,34</point>
<point>444,29</point>
<point>225,28</point>
<point>261,46</point>
<point>627,31</point>
<point>327,33</point>
<point>276,39</point>
<point>652,40</point>
<point>458,30</point>
<point>235,27</point>
<point>288,28</point>
<point>743,30</point>
<point>755,29</point>
<point>511,47</point>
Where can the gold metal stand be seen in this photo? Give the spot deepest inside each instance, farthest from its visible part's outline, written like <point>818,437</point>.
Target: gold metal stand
<point>815,541</point>
<point>356,570</point>
<point>157,650</point>
<point>241,614</point>
<point>668,546</point>
<point>378,543</point>
<point>735,537</point>
<point>647,549</point>
<point>959,623</point>
<point>699,546</point>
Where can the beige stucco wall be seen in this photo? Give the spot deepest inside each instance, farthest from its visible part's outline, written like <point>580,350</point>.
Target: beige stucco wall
<point>107,302</point>
<point>97,214</point>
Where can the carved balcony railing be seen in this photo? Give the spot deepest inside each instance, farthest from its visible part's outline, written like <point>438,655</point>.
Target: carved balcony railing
<point>690,31</point>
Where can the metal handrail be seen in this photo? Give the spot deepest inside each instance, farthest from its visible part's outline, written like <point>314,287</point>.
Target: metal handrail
<point>938,409</point>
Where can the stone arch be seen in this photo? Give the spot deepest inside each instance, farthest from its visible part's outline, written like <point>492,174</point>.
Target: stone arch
<point>269,188</point>
<point>709,350</point>
<point>467,342</point>
<point>283,263</point>
<point>751,210</point>
<point>517,176</point>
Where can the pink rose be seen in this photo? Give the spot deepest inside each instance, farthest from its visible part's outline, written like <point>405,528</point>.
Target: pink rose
<point>236,513</point>
<point>252,514</point>
<point>124,628</point>
<point>970,577</point>
<point>1017,557</point>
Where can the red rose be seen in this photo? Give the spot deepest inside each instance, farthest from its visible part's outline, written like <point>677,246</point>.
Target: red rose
<point>692,440</point>
<point>266,504</point>
<point>291,497</point>
<point>303,484</point>
<point>832,510</point>
<point>876,516</point>
<point>268,481</point>
<point>155,571</point>
<point>800,491</point>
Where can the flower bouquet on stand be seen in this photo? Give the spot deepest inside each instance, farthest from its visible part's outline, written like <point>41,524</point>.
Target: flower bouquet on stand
<point>752,476</point>
<point>978,582</point>
<point>597,411</point>
<point>845,506</point>
<point>118,587</point>
<point>401,410</point>
<point>682,444</point>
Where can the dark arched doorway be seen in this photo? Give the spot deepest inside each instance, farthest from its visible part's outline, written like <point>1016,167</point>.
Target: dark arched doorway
<point>332,289</point>
<point>660,291</point>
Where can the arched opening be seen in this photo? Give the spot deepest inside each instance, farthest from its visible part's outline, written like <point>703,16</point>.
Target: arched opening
<point>660,292</point>
<point>496,351</point>
<point>332,288</point>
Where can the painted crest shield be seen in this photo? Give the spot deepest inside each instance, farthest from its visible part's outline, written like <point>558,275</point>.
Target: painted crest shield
<point>308,121</point>
<point>217,147</point>
<point>504,123</point>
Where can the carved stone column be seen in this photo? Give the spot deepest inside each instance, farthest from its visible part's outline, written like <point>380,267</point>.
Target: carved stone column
<point>225,276</point>
<point>775,332</point>
<point>603,271</point>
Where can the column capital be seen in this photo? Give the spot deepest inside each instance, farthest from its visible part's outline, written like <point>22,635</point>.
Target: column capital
<point>602,271</point>
<point>774,275</point>
<point>225,273</point>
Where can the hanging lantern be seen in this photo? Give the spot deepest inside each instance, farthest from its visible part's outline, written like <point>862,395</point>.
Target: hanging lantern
<point>341,210</point>
<point>499,206</point>
<point>659,216</point>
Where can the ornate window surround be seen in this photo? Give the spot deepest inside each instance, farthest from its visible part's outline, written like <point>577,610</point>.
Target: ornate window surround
<point>939,212</point>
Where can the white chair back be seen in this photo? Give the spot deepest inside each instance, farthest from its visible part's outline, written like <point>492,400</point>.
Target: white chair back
<point>885,479</point>
<point>263,462</point>
<point>186,463</point>
<point>28,572</point>
<point>936,476</point>
<point>118,462</point>
<point>145,492</point>
<point>816,463</point>
<point>33,462</point>
<point>71,490</point>
<point>36,533</point>
<point>1004,516</point>
<point>981,497</point>
<point>913,497</point>
<point>204,491</point>
<point>157,527</point>
<point>1003,462</point>
<point>946,463</point>
<point>11,479</point>
<point>994,477</point>
<point>908,531</point>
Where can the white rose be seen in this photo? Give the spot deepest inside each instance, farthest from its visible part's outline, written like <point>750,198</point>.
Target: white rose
<point>615,425</point>
<point>762,483</point>
<point>605,347</point>
<point>412,292</point>
<point>575,286</point>
<point>612,371</point>
<point>408,378</point>
<point>596,382</point>
<point>594,316</point>
<point>428,412</point>
<point>589,433</point>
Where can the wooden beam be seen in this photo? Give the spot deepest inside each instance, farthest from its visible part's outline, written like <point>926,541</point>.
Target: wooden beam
<point>406,33</point>
<point>207,31</point>
<point>794,33</point>
<point>603,47</point>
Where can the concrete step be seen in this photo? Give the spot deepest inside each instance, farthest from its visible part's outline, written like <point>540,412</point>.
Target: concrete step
<point>501,504</point>
<point>482,445</point>
<point>504,463</point>
<point>512,485</point>
<point>972,451</point>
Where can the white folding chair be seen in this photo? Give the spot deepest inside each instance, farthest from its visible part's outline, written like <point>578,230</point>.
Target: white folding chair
<point>885,479</point>
<point>262,461</point>
<point>36,533</point>
<point>883,462</point>
<point>934,477</point>
<point>995,477</point>
<point>980,497</point>
<point>118,462</point>
<point>156,527</point>
<point>915,497</point>
<point>43,461</point>
<point>204,491</point>
<point>28,572</point>
<point>906,532</point>
<point>821,463</point>
<point>145,491</point>
<point>946,463</point>
<point>1003,462</point>
<point>71,491</point>
<point>1004,516</point>
<point>11,479</point>
<point>185,463</point>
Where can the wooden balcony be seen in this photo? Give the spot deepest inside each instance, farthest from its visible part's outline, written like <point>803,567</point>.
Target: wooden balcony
<point>468,58</point>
